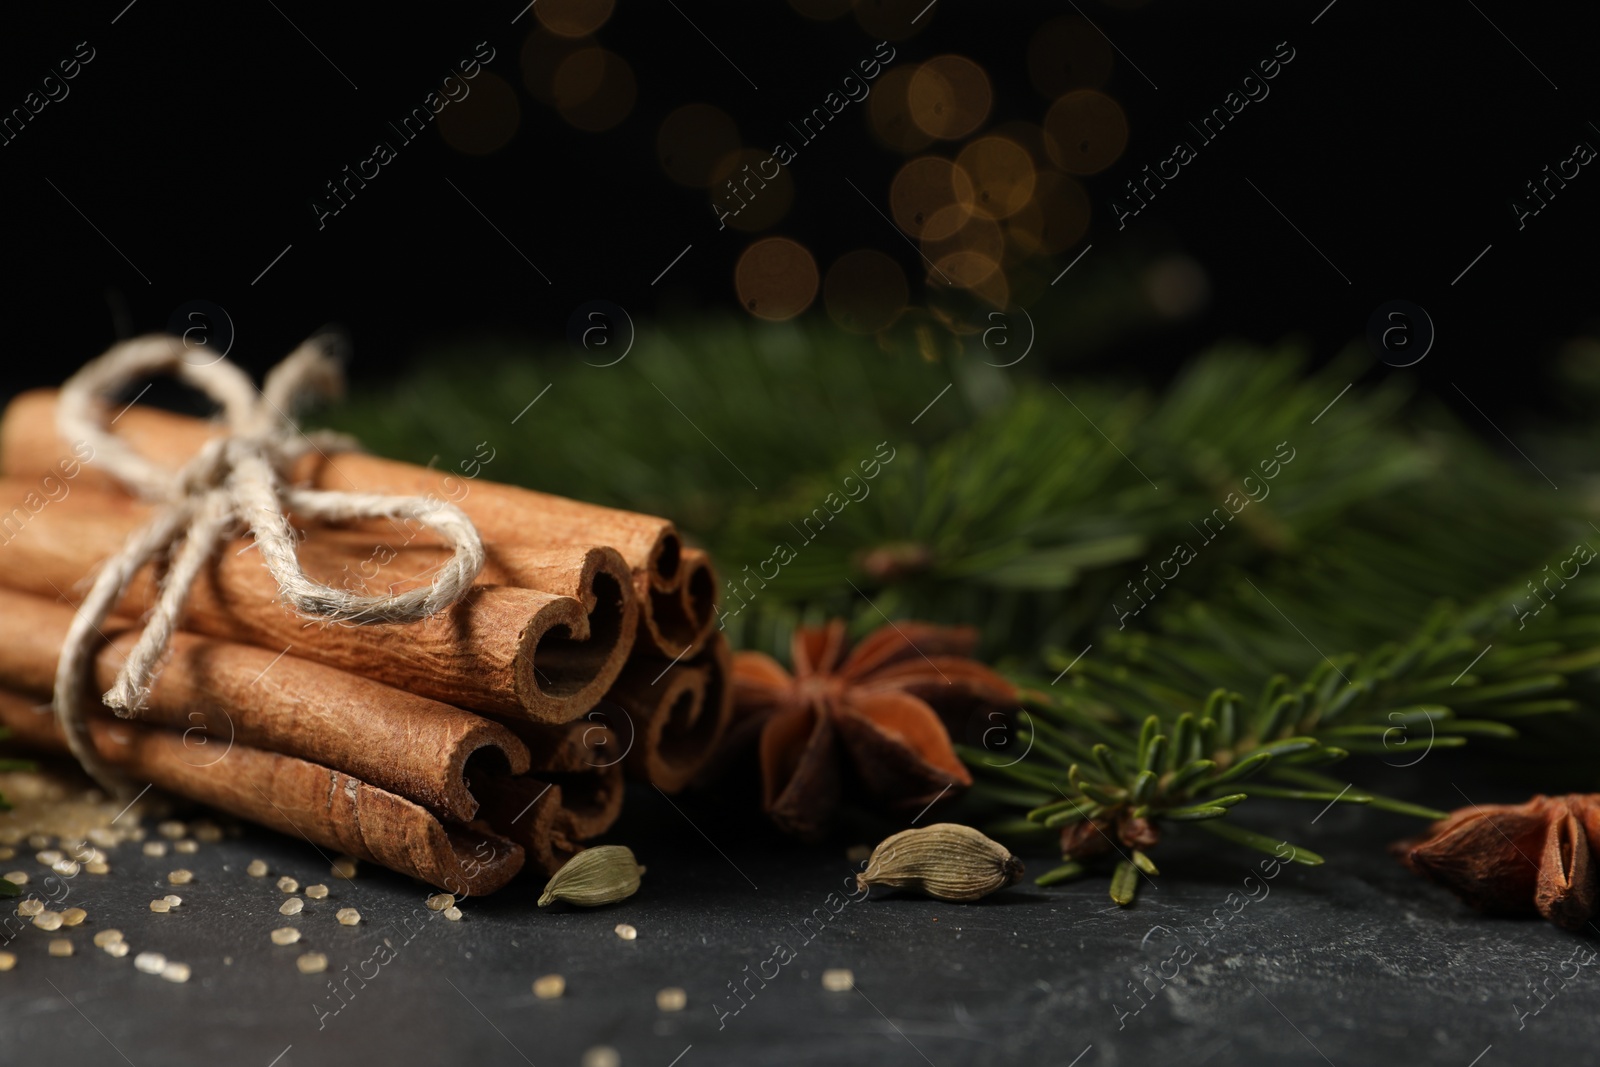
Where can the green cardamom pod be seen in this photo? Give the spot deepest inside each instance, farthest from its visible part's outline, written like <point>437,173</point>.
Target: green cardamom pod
<point>601,875</point>
<point>945,860</point>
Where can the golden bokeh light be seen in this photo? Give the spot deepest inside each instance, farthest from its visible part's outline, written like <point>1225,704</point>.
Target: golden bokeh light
<point>594,89</point>
<point>1067,53</point>
<point>692,140</point>
<point>979,276</point>
<point>1002,175</point>
<point>865,291</point>
<point>1054,220</point>
<point>484,121</point>
<point>894,20</point>
<point>573,18</point>
<point>949,97</point>
<point>542,53</point>
<point>761,192</point>
<point>1085,132</point>
<point>931,198</point>
<point>776,279</point>
<point>889,113</point>
<point>822,10</point>
<point>967,257</point>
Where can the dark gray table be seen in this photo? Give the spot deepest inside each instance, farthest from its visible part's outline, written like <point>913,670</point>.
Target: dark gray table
<point>1355,962</point>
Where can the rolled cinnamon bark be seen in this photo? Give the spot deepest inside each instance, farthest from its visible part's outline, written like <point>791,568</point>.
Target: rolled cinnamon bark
<point>219,693</point>
<point>30,448</point>
<point>499,649</point>
<point>575,794</point>
<point>292,796</point>
<point>678,712</point>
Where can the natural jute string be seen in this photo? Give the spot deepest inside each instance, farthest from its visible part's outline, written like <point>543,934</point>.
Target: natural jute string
<point>236,481</point>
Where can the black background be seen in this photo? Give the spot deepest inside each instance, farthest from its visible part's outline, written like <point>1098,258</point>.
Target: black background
<point>199,134</point>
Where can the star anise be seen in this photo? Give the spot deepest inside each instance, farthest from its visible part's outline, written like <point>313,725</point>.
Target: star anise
<point>873,704</point>
<point>1514,859</point>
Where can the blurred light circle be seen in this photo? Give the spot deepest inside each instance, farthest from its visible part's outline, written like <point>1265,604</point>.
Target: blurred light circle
<point>758,200</point>
<point>949,97</point>
<point>485,120</point>
<point>594,89</point>
<point>542,53</point>
<point>978,246</point>
<point>1085,132</point>
<point>893,20</point>
<point>865,291</point>
<point>776,279</point>
<point>889,113</point>
<point>1176,287</point>
<point>573,18</point>
<point>822,10</point>
<point>1054,220</point>
<point>1067,53</point>
<point>1002,175</point>
<point>691,141</point>
<point>922,189</point>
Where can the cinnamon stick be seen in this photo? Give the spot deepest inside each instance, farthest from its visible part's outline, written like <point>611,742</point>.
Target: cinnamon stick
<point>31,449</point>
<point>500,649</point>
<point>292,796</point>
<point>679,712</point>
<point>574,794</point>
<point>219,693</point>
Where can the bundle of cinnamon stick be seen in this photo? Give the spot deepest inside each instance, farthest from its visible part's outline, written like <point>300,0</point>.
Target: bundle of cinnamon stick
<point>491,735</point>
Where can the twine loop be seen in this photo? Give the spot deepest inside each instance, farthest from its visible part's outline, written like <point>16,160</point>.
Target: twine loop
<point>236,481</point>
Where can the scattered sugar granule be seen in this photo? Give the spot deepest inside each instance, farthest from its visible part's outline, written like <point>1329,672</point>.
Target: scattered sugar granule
<point>106,937</point>
<point>155,848</point>
<point>453,913</point>
<point>172,829</point>
<point>285,935</point>
<point>440,901</point>
<point>173,900</point>
<point>160,906</point>
<point>65,867</point>
<point>312,963</point>
<point>175,972</point>
<point>73,916</point>
<point>48,920</point>
<point>317,892</point>
<point>48,856</point>
<point>549,987</point>
<point>181,876</point>
<point>30,907</point>
<point>292,906</point>
<point>671,998</point>
<point>344,867</point>
<point>8,960</point>
<point>118,949</point>
<point>150,962</point>
<point>206,832</point>
<point>16,877</point>
<point>288,885</point>
<point>186,846</point>
<point>97,867</point>
<point>348,916</point>
<point>838,980</point>
<point>626,932</point>
<point>257,869</point>
<point>60,947</point>
<point>602,1056</point>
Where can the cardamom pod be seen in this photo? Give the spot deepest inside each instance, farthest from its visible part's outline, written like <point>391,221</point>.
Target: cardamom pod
<point>601,875</point>
<point>945,860</point>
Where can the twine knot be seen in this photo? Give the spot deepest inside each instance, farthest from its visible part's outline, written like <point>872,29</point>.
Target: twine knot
<point>235,482</point>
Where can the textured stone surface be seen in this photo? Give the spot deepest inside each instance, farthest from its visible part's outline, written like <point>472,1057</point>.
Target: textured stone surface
<point>1351,963</point>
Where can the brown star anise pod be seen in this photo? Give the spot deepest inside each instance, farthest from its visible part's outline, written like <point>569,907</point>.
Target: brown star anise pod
<point>1513,859</point>
<point>874,704</point>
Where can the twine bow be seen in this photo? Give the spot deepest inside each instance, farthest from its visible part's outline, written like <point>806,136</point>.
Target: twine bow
<point>236,481</point>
